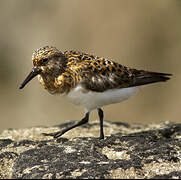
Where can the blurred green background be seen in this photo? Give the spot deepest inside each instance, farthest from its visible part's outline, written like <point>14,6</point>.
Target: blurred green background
<point>140,34</point>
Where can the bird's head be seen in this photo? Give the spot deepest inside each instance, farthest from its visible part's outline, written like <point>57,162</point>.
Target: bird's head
<point>47,61</point>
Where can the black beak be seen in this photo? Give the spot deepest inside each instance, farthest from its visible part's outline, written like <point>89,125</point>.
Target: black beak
<point>31,75</point>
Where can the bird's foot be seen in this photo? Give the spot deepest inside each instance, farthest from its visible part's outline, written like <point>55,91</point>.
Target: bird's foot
<point>55,135</point>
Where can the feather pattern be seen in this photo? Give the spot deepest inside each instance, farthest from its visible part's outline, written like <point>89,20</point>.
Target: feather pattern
<point>100,74</point>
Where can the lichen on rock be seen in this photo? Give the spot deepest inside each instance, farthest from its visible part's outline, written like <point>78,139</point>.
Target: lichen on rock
<point>128,151</point>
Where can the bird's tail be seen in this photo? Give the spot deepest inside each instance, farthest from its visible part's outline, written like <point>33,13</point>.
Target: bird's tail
<point>147,77</point>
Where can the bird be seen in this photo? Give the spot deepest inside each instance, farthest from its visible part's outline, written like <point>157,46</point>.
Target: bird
<point>87,81</point>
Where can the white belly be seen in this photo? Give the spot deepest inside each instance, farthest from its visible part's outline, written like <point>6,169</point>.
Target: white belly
<point>90,100</point>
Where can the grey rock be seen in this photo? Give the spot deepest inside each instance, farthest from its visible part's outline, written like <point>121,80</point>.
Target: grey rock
<point>128,151</point>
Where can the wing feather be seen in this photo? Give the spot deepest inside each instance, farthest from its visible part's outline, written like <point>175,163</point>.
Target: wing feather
<point>100,74</point>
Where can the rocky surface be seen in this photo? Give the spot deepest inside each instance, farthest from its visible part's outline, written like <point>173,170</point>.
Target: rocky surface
<point>128,151</point>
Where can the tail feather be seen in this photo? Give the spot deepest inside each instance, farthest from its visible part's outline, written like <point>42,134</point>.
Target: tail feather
<point>151,77</point>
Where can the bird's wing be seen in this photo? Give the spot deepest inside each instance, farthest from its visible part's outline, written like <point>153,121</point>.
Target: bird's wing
<point>100,74</point>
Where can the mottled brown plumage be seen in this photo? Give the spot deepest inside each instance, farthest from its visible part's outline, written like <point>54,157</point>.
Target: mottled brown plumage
<point>99,81</point>
<point>61,72</point>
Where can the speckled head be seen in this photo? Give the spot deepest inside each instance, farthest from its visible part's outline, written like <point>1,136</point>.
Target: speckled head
<point>47,61</point>
<point>43,54</point>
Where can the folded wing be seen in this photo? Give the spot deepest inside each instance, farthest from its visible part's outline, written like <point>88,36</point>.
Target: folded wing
<point>99,74</point>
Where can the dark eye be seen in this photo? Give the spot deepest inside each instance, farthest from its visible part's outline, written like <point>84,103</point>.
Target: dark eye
<point>44,60</point>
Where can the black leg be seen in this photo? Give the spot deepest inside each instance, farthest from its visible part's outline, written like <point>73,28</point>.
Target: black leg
<point>59,133</point>
<point>101,116</point>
